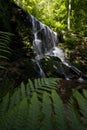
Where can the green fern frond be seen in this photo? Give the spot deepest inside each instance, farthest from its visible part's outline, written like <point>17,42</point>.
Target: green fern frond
<point>2,67</point>
<point>3,57</point>
<point>82,102</point>
<point>34,113</point>
<point>85,93</point>
<point>74,117</point>
<point>31,85</point>
<point>5,51</point>
<point>24,110</point>
<point>47,112</point>
<point>41,84</point>
<point>21,121</point>
<point>4,104</point>
<point>15,98</point>
<point>58,106</point>
<point>23,91</point>
<point>28,93</point>
<point>16,117</point>
<point>3,109</point>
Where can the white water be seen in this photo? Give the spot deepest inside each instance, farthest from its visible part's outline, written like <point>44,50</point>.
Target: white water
<point>45,43</point>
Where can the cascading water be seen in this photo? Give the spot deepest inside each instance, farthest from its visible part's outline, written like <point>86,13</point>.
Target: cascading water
<point>45,43</point>
<point>44,38</point>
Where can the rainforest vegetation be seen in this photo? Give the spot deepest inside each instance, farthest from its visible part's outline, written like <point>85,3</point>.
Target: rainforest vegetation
<point>28,101</point>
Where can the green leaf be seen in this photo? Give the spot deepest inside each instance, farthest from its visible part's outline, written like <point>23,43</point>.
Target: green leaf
<point>60,117</point>
<point>47,112</point>
<point>34,113</point>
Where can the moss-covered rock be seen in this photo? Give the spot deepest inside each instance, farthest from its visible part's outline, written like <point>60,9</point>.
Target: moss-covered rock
<point>54,67</point>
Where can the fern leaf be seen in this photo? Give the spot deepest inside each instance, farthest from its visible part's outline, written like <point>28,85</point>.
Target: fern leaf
<point>28,90</point>
<point>23,92</point>
<point>31,85</point>
<point>16,117</point>
<point>34,113</point>
<point>36,83</point>
<point>47,113</point>
<point>85,93</point>
<point>74,117</point>
<point>4,57</point>
<point>60,119</point>
<point>82,102</point>
<point>4,104</point>
<point>3,109</point>
<point>21,121</point>
<point>39,82</point>
<point>15,98</point>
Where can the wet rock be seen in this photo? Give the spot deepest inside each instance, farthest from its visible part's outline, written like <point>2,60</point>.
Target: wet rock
<point>54,67</point>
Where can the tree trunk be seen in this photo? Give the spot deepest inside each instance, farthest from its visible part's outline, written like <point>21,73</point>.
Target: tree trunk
<point>69,12</point>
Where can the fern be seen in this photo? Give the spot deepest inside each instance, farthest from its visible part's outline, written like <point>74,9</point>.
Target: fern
<point>82,102</point>
<point>16,118</point>
<point>60,119</point>
<point>5,39</point>
<point>15,98</point>
<point>4,104</point>
<point>5,51</point>
<point>85,93</point>
<point>23,91</point>
<point>47,112</point>
<point>34,113</point>
<point>46,84</point>
<point>3,110</point>
<point>74,117</point>
<point>24,110</point>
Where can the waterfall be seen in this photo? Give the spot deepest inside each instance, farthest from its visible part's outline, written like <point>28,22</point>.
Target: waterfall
<point>38,68</point>
<point>44,38</point>
<point>45,43</point>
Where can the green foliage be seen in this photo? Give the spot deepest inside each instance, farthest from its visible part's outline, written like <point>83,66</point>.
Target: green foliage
<point>78,17</point>
<point>59,116</point>
<point>25,109</point>
<point>47,112</point>
<point>55,13</point>
<point>5,51</point>
<point>4,45</point>
<point>52,13</point>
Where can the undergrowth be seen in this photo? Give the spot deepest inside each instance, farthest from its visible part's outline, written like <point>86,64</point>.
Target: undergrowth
<point>38,106</point>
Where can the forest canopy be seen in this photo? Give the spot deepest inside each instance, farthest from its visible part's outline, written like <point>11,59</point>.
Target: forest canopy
<point>59,14</point>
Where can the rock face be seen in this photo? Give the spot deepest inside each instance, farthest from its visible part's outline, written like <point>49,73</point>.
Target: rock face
<point>53,66</point>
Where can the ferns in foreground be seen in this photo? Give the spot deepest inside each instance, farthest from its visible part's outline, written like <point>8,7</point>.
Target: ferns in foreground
<point>37,106</point>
